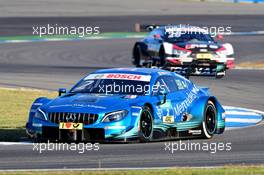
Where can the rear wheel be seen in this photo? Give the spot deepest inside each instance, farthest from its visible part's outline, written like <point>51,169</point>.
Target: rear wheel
<point>146,125</point>
<point>162,57</point>
<point>210,121</point>
<point>220,75</point>
<point>220,71</point>
<point>137,56</point>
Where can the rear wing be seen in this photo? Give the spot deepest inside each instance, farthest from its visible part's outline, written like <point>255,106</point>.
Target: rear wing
<point>146,27</point>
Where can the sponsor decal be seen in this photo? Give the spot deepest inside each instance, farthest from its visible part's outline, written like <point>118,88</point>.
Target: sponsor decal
<point>195,132</point>
<point>181,84</point>
<point>136,77</point>
<point>130,96</point>
<point>192,46</point>
<point>76,105</point>
<point>95,106</point>
<point>183,106</point>
<point>69,125</point>
<point>159,112</point>
<point>168,119</point>
<point>58,106</point>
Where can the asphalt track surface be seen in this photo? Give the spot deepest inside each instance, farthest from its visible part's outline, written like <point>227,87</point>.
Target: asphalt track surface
<point>50,65</point>
<point>239,23</point>
<point>50,8</point>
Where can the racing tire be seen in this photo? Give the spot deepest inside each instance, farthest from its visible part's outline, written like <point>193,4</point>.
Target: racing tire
<point>137,56</point>
<point>146,125</point>
<point>220,71</point>
<point>210,120</point>
<point>162,57</point>
<point>221,75</point>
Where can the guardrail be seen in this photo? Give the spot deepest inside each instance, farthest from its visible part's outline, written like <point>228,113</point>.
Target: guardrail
<point>251,1</point>
<point>235,1</point>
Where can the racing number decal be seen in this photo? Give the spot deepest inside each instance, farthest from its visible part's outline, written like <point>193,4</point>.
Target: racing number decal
<point>68,125</point>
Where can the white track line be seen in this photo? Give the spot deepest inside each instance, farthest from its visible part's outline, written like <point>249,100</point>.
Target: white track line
<point>241,120</point>
<point>248,68</point>
<point>240,108</point>
<point>249,113</point>
<point>15,143</point>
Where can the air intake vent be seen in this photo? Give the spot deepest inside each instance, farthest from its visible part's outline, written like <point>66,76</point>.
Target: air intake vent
<point>57,117</point>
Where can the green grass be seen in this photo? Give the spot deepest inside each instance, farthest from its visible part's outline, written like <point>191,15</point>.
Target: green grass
<point>242,170</point>
<point>58,37</point>
<point>14,110</point>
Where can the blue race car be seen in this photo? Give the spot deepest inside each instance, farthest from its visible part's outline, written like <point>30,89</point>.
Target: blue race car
<point>127,104</point>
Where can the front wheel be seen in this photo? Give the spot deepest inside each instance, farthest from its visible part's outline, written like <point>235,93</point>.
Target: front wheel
<point>210,121</point>
<point>162,57</point>
<point>146,125</point>
<point>137,56</point>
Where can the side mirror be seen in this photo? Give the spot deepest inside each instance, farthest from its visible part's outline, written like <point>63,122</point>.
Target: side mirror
<point>220,37</point>
<point>157,36</point>
<point>164,97</point>
<point>62,91</point>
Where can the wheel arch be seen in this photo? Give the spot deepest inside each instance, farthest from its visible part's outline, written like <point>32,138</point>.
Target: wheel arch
<point>142,138</point>
<point>162,49</point>
<point>150,107</point>
<point>142,46</point>
<point>198,111</point>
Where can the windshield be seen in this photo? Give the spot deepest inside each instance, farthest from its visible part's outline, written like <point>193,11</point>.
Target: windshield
<point>189,37</point>
<point>112,86</point>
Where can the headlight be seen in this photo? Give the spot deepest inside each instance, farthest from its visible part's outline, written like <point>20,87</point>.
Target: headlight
<point>115,116</point>
<point>40,115</point>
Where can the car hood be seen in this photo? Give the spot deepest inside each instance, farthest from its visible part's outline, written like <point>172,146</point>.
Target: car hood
<point>90,103</point>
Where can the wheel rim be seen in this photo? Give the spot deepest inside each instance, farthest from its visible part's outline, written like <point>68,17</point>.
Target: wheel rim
<point>146,124</point>
<point>210,120</point>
